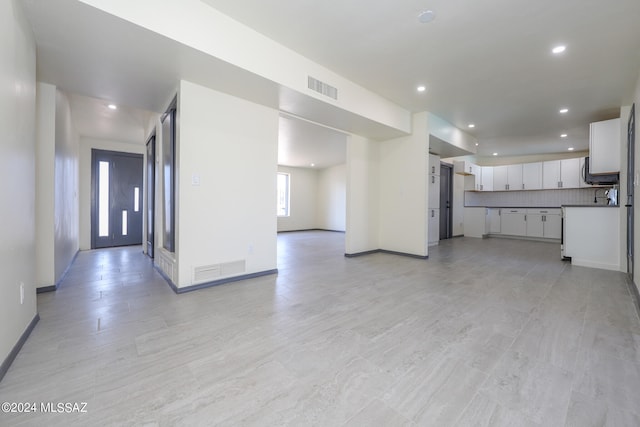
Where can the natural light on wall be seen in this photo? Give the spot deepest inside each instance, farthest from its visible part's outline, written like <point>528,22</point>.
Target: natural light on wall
<point>283,194</point>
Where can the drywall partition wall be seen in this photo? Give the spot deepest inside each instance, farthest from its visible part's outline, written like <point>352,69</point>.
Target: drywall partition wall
<point>403,191</point>
<point>331,204</point>
<point>45,188</point>
<point>17,176</point>
<point>303,200</point>
<point>362,195</point>
<point>227,165</point>
<point>86,145</point>
<point>278,75</point>
<point>65,213</point>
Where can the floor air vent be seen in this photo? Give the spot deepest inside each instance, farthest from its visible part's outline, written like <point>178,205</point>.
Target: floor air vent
<point>323,88</point>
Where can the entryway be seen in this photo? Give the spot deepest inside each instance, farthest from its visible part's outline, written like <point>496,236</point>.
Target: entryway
<point>116,199</point>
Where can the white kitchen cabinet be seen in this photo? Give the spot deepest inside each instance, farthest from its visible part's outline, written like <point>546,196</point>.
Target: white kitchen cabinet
<point>553,225</point>
<point>493,220</point>
<point>434,226</point>
<point>513,223</point>
<point>434,164</point>
<point>570,173</point>
<point>551,174</point>
<point>604,147</point>
<point>500,178</point>
<point>465,168</point>
<point>532,176</point>
<point>434,191</point>
<point>561,174</point>
<point>475,222</point>
<point>486,178</point>
<point>545,223</point>
<point>514,177</point>
<point>478,178</point>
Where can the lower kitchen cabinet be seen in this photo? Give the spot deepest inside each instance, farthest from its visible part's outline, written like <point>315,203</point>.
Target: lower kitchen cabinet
<point>513,223</point>
<point>493,221</point>
<point>538,223</point>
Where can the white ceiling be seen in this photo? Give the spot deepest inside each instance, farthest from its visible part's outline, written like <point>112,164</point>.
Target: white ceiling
<point>92,117</point>
<point>301,144</point>
<point>483,62</point>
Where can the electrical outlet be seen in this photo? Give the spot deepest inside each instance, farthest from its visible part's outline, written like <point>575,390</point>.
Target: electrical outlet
<point>21,293</point>
<point>250,248</point>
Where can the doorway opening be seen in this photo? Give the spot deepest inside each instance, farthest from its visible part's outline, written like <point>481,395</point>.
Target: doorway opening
<point>151,199</point>
<point>116,199</point>
<point>631,142</point>
<point>446,201</point>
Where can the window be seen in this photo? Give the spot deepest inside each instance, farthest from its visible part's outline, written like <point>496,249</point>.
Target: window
<point>283,194</point>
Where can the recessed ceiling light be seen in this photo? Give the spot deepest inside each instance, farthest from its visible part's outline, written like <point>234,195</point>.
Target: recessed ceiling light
<point>471,125</point>
<point>421,88</point>
<point>477,144</point>
<point>312,164</point>
<point>564,110</point>
<point>564,135</point>
<point>112,106</point>
<point>495,154</point>
<point>570,148</point>
<point>426,16</point>
<point>559,49</point>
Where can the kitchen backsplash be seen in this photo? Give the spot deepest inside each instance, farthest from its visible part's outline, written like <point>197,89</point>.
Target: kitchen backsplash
<point>535,198</point>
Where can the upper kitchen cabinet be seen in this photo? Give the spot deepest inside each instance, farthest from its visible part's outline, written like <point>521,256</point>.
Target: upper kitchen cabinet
<point>500,181</point>
<point>465,168</point>
<point>532,176</point>
<point>508,177</point>
<point>486,177</point>
<point>604,147</point>
<point>570,173</point>
<point>514,177</point>
<point>561,174</point>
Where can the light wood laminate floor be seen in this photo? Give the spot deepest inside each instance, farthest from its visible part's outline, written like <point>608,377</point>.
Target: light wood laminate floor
<point>489,332</point>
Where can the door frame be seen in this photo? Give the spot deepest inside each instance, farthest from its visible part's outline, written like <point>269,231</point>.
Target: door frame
<point>95,158</point>
<point>149,191</point>
<point>448,211</point>
<point>630,190</point>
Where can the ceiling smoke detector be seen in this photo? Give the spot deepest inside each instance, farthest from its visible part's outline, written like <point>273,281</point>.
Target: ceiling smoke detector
<point>426,16</point>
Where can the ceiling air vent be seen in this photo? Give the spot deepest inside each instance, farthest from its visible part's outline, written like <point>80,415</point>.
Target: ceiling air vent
<point>323,88</point>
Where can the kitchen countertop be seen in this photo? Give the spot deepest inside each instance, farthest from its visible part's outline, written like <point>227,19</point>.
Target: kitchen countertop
<point>591,206</point>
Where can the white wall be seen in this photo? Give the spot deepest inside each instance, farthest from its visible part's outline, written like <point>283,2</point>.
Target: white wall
<point>636,190</point>
<point>331,205</point>
<point>303,200</point>
<point>45,184</point>
<point>362,195</point>
<point>403,190</point>
<point>231,145</point>
<point>86,145</point>
<point>65,213</point>
<point>17,179</point>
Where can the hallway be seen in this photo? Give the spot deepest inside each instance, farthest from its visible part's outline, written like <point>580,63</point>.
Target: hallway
<point>468,337</point>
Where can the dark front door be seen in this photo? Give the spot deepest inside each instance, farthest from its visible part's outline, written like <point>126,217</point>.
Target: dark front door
<point>151,200</point>
<point>446,195</point>
<point>631,140</point>
<point>116,213</point>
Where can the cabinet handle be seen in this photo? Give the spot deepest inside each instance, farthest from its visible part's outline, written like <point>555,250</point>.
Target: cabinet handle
<point>506,187</point>
<point>433,179</point>
<point>469,169</point>
<point>433,213</point>
<point>433,169</point>
<point>525,217</point>
<point>481,187</point>
<point>523,186</point>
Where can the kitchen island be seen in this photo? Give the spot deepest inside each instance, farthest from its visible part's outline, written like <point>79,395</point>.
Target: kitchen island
<point>591,236</point>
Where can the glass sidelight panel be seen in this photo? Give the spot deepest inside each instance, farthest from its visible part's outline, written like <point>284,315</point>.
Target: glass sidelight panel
<point>125,223</point>
<point>136,199</point>
<point>103,199</point>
